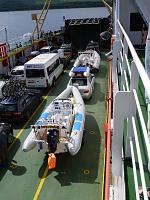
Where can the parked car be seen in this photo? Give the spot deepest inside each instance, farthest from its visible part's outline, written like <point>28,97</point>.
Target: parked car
<point>18,73</point>
<point>83,79</point>
<point>13,108</point>
<point>47,49</point>
<point>33,54</point>
<point>68,51</point>
<point>7,129</point>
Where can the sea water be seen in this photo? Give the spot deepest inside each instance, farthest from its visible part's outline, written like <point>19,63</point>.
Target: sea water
<point>15,24</point>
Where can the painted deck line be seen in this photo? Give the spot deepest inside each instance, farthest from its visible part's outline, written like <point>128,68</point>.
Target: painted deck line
<point>41,184</point>
<point>103,177</point>
<point>25,125</point>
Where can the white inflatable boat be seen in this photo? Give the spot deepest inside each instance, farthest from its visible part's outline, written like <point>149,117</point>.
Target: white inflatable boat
<point>60,128</point>
<point>89,58</point>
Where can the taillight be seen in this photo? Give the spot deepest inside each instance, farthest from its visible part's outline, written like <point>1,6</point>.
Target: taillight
<point>86,91</point>
<point>17,113</point>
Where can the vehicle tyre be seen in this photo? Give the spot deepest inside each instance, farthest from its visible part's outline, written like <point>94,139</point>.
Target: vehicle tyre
<point>54,82</point>
<point>10,138</point>
<point>27,115</point>
<point>40,100</point>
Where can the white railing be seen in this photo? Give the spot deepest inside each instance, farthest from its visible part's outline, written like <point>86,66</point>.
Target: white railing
<point>128,71</point>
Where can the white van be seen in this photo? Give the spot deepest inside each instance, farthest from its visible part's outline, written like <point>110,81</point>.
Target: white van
<point>18,73</point>
<point>43,70</point>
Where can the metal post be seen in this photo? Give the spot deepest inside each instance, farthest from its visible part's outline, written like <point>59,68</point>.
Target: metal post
<point>37,28</point>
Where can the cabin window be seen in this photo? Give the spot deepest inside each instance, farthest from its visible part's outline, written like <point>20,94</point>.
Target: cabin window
<point>136,22</point>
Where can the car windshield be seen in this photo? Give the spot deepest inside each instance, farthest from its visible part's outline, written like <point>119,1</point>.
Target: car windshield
<point>8,107</point>
<point>44,50</point>
<point>35,73</point>
<point>17,72</point>
<point>79,81</point>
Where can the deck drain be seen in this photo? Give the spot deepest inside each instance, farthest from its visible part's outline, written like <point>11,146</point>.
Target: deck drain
<point>13,165</point>
<point>86,171</point>
<point>92,132</point>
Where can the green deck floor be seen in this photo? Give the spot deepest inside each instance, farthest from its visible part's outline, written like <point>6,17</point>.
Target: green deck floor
<point>78,177</point>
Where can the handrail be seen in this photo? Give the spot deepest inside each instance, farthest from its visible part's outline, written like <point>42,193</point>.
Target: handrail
<point>142,122</point>
<point>108,139</point>
<point>139,159</point>
<point>130,134</point>
<point>137,61</point>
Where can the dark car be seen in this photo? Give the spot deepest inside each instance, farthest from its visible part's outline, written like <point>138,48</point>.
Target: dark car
<point>12,108</point>
<point>6,129</point>
<point>33,54</point>
<point>68,51</point>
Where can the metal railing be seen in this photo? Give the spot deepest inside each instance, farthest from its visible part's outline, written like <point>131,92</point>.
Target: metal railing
<point>130,138</point>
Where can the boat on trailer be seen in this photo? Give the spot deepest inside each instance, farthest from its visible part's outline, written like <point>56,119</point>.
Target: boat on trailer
<point>89,58</point>
<point>60,128</point>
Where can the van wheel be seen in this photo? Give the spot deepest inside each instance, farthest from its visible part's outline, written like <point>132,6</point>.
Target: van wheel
<point>54,82</point>
<point>10,138</point>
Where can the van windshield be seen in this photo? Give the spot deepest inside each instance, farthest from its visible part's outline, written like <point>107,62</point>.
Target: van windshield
<point>17,72</point>
<point>35,73</point>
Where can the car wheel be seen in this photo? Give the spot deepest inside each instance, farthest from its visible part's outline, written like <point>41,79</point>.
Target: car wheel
<point>10,138</point>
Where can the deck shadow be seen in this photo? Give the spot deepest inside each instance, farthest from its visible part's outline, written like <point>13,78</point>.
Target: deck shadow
<point>56,90</point>
<point>97,95</point>
<point>12,165</point>
<point>83,167</point>
<point>103,70</point>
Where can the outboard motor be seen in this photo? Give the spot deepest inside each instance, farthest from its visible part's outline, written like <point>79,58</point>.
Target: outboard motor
<point>52,139</point>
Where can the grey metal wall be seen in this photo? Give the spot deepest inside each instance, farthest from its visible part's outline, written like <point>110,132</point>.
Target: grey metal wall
<point>127,7</point>
<point>144,8</point>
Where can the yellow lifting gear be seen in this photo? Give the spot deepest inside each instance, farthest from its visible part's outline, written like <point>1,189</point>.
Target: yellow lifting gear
<point>40,20</point>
